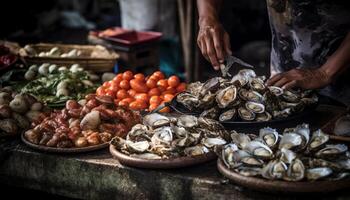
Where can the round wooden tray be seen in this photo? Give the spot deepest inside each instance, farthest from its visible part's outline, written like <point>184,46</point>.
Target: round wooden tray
<point>265,185</point>
<point>63,150</point>
<point>160,163</point>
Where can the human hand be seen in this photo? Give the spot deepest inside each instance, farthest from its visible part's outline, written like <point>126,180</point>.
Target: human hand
<point>213,41</point>
<point>302,78</point>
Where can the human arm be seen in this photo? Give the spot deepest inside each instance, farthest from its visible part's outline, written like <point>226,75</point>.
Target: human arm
<point>337,63</point>
<point>213,40</point>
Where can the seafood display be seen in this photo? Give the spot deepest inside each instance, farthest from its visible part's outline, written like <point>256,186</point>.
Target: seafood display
<point>142,93</point>
<point>244,97</point>
<point>18,111</point>
<point>295,155</point>
<point>164,137</point>
<point>54,85</point>
<point>92,121</point>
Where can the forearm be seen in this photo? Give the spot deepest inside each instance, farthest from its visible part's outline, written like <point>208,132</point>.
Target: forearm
<point>208,10</point>
<point>339,61</point>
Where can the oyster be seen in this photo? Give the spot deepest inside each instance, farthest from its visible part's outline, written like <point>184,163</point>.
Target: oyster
<point>332,150</point>
<point>255,107</point>
<point>246,114</point>
<point>317,140</point>
<point>207,100</point>
<point>210,86</point>
<point>196,150</point>
<point>259,150</point>
<point>162,135</point>
<point>226,96</point>
<point>275,169</point>
<point>187,121</point>
<point>211,142</point>
<point>296,171</point>
<point>189,100</point>
<point>250,95</point>
<point>249,171</point>
<point>227,115</point>
<point>257,84</point>
<point>156,120</point>
<point>227,155</point>
<point>137,147</point>
<point>211,113</point>
<point>342,126</point>
<point>290,96</point>
<point>277,91</point>
<point>263,117</point>
<point>318,173</point>
<point>269,136</point>
<point>240,139</point>
<point>290,141</point>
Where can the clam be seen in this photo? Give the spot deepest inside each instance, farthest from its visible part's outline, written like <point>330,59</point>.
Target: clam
<point>187,121</point>
<point>227,115</point>
<point>269,136</point>
<point>226,96</point>
<point>259,150</point>
<point>255,107</point>
<point>90,121</point>
<point>318,173</point>
<point>317,140</point>
<point>246,114</point>
<point>196,150</point>
<point>156,120</point>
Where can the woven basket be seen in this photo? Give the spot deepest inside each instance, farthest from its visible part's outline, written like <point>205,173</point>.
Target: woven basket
<point>98,64</point>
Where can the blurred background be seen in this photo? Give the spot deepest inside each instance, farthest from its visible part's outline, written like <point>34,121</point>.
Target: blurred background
<point>70,21</point>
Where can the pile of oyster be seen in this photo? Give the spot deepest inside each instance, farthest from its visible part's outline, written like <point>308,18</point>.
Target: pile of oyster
<point>244,97</point>
<point>18,111</point>
<point>162,137</point>
<point>295,155</point>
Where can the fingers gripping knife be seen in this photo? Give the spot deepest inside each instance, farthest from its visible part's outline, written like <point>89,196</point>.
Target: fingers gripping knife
<point>230,60</point>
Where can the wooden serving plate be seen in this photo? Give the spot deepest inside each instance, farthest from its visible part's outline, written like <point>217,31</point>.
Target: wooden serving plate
<point>160,163</point>
<point>63,150</point>
<point>265,185</point>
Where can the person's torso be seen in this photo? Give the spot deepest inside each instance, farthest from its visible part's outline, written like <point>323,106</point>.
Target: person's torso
<point>305,33</point>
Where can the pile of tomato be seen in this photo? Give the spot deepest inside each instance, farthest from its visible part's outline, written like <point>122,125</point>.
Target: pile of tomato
<point>142,93</point>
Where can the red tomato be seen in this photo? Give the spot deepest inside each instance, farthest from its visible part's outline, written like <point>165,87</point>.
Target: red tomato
<point>173,81</point>
<point>162,83</point>
<point>181,87</point>
<point>155,100</point>
<point>118,78</point>
<point>116,102</point>
<point>139,77</point>
<point>168,97</point>
<point>154,92</point>
<point>138,86</point>
<point>142,97</point>
<point>129,99</point>
<point>123,103</point>
<point>110,93</point>
<point>122,94</point>
<point>151,83</point>
<point>132,92</point>
<point>114,87</point>
<point>169,90</point>
<point>101,91</point>
<point>153,106</point>
<point>159,74</point>
<point>127,75</point>
<point>124,84</point>
<point>138,105</point>
<point>107,84</point>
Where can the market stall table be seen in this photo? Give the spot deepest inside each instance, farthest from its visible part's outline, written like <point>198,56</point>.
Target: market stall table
<point>97,175</point>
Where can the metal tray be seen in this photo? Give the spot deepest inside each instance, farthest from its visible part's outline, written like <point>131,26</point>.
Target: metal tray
<point>63,150</point>
<point>264,185</point>
<point>160,163</point>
